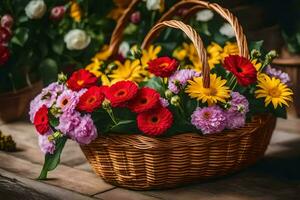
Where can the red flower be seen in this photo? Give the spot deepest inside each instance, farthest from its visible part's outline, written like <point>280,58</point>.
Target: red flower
<point>4,54</point>
<point>91,99</point>
<point>145,100</point>
<point>57,13</point>
<point>121,92</point>
<point>155,122</point>
<point>4,35</point>
<point>41,120</point>
<point>242,68</point>
<point>163,66</point>
<point>81,79</point>
<point>7,21</point>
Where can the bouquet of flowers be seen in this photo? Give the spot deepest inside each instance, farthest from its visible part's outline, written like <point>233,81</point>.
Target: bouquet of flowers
<point>159,98</point>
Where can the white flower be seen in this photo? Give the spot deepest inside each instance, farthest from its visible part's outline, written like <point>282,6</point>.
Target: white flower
<point>204,15</point>
<point>124,49</point>
<point>227,30</point>
<point>35,9</point>
<point>153,4</point>
<point>77,39</point>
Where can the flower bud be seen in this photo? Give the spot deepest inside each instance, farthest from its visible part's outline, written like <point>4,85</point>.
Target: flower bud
<point>55,136</point>
<point>136,52</point>
<point>57,13</point>
<point>255,53</point>
<point>35,9</point>
<point>62,78</point>
<point>168,94</point>
<point>7,21</point>
<point>175,100</point>
<point>106,104</point>
<point>135,17</point>
<point>111,66</point>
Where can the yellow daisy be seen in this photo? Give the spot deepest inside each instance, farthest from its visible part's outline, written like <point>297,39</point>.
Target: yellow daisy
<point>149,54</point>
<point>94,67</point>
<point>214,54</point>
<point>75,11</point>
<point>130,70</point>
<point>273,91</point>
<point>256,64</point>
<point>104,54</point>
<point>230,48</point>
<point>180,54</point>
<point>216,92</point>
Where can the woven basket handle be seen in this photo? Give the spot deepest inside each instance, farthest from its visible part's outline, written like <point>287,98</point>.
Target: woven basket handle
<point>192,35</point>
<point>196,5</point>
<point>117,35</point>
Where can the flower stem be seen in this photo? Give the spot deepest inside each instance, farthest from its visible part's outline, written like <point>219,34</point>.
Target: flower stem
<point>111,115</point>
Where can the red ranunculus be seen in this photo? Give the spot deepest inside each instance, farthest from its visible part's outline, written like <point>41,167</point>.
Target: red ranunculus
<point>4,55</point>
<point>57,13</point>
<point>242,68</point>
<point>155,122</point>
<point>81,79</point>
<point>146,99</point>
<point>41,120</point>
<point>163,66</point>
<point>91,99</point>
<point>121,92</point>
<point>4,35</point>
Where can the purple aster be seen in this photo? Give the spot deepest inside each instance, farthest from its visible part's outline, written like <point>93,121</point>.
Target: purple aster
<point>209,119</point>
<point>163,102</point>
<point>179,79</point>
<point>238,103</point>
<point>85,132</point>
<point>51,92</point>
<point>46,145</point>
<point>67,101</point>
<point>235,120</point>
<point>68,122</point>
<point>273,72</point>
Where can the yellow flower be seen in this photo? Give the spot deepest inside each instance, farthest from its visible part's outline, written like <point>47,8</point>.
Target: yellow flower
<point>230,48</point>
<point>216,92</point>
<point>130,70</point>
<point>180,54</point>
<point>104,54</point>
<point>95,66</point>
<point>150,54</point>
<point>75,11</point>
<point>214,54</point>
<point>273,91</point>
<point>256,64</point>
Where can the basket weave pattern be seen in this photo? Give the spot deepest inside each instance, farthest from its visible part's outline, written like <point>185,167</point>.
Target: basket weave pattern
<point>140,162</point>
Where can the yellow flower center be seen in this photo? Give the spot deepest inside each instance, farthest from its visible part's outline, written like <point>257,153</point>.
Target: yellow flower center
<point>210,91</point>
<point>274,92</point>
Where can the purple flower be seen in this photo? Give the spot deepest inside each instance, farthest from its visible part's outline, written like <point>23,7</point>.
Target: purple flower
<point>273,72</point>
<point>238,103</point>
<point>163,102</point>
<point>209,119</point>
<point>235,120</point>
<point>179,79</point>
<point>46,145</point>
<point>35,105</point>
<point>68,122</point>
<point>67,101</point>
<point>85,132</point>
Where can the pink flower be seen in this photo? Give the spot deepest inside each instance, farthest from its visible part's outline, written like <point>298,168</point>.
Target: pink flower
<point>46,146</point>
<point>7,21</point>
<point>85,132</point>
<point>57,13</point>
<point>135,17</point>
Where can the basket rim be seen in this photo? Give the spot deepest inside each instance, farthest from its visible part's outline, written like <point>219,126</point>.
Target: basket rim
<point>190,138</point>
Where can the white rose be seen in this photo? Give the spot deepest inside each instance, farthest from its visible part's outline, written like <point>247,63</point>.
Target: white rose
<point>35,9</point>
<point>227,30</point>
<point>77,39</point>
<point>153,4</point>
<point>204,15</point>
<point>124,49</point>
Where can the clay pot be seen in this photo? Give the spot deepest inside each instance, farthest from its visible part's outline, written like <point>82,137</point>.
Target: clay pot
<point>14,105</point>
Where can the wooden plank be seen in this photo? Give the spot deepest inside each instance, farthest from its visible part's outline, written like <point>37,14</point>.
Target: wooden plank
<point>63,176</point>
<point>13,186</point>
<point>123,194</point>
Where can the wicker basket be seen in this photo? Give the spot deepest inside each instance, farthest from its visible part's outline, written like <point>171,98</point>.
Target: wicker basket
<point>139,162</point>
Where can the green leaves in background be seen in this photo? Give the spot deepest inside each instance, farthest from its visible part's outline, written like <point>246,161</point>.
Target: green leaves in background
<point>52,160</point>
<point>49,70</point>
<point>20,36</point>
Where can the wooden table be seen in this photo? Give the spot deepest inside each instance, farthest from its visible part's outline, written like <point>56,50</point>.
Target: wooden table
<point>277,176</point>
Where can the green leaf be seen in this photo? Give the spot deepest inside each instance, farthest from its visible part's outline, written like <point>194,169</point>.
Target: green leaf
<point>155,83</point>
<point>49,70</point>
<point>21,36</point>
<point>280,111</point>
<point>52,160</point>
<point>58,47</point>
<point>124,126</point>
<point>256,45</point>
